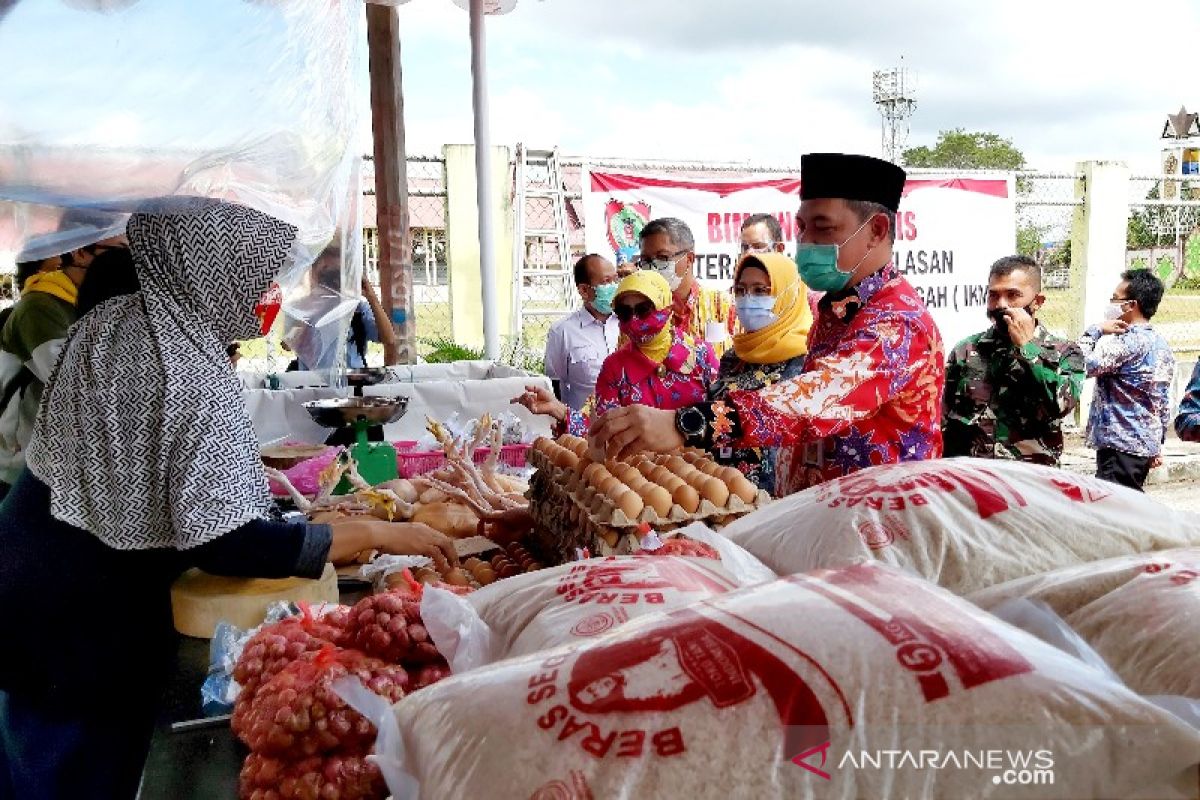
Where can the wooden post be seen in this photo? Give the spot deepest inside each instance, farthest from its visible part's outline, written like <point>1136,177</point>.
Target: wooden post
<point>391,177</point>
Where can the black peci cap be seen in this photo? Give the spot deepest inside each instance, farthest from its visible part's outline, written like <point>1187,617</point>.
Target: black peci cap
<point>851,177</point>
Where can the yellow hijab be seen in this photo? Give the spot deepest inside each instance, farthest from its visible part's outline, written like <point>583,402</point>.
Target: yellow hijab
<point>787,336</point>
<point>53,283</point>
<point>658,291</point>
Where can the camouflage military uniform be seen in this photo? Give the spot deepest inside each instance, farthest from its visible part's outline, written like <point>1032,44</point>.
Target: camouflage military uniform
<point>1004,401</point>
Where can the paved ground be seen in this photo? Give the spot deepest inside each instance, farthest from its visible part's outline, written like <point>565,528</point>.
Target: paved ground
<point>1180,495</point>
<point>1176,483</point>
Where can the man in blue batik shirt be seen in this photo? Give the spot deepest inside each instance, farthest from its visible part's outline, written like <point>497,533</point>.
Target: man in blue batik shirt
<point>1133,367</point>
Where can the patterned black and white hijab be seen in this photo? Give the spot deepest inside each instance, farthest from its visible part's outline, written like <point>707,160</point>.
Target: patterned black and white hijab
<point>143,436</point>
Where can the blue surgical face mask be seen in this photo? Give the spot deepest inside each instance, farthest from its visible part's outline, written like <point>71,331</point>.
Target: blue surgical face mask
<point>755,313</point>
<point>605,293</point>
<point>818,264</point>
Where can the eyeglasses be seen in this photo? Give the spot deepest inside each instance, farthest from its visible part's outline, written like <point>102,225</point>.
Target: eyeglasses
<point>626,312</point>
<point>642,262</point>
<point>752,291</point>
<point>758,248</point>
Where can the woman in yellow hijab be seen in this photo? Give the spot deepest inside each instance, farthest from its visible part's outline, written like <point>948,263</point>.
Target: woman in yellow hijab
<point>774,315</point>
<point>657,365</point>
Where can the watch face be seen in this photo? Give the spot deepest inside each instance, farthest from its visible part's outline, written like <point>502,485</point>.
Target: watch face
<point>691,421</point>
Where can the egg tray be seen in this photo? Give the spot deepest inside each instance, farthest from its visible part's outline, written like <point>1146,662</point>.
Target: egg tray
<point>551,483</point>
<point>565,524</point>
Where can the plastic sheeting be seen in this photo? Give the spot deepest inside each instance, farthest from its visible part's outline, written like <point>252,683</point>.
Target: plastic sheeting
<point>111,106</point>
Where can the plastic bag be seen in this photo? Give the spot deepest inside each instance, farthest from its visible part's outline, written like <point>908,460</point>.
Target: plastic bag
<point>382,567</point>
<point>861,682</point>
<point>248,102</point>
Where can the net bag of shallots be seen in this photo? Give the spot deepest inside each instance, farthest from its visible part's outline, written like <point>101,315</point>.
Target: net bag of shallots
<point>581,600</point>
<point>861,682</point>
<point>964,524</point>
<point>1140,613</point>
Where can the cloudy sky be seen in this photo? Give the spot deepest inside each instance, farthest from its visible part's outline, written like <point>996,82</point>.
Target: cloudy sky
<point>767,81</point>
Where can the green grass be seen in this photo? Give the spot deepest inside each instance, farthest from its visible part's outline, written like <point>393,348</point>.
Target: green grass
<point>1178,317</point>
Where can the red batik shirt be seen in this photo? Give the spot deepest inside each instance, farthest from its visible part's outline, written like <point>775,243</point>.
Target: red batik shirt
<point>870,393</point>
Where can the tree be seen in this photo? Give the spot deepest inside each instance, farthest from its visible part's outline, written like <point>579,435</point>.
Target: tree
<point>960,149</point>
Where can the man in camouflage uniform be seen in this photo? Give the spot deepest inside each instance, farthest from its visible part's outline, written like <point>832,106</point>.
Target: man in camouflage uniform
<point>1009,387</point>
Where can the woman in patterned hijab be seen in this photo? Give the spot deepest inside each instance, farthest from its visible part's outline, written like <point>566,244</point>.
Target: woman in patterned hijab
<point>143,464</point>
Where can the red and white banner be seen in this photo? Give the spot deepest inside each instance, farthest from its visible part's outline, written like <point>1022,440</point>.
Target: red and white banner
<point>949,230</point>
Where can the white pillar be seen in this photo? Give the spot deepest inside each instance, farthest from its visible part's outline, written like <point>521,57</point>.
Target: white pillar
<point>483,153</point>
<point>1098,247</point>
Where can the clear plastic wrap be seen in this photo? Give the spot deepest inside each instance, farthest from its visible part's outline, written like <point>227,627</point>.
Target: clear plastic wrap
<point>861,682</point>
<point>111,107</point>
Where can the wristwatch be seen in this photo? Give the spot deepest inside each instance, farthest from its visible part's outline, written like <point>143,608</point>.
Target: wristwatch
<point>692,425</point>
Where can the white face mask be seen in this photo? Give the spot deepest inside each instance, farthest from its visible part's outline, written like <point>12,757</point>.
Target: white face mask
<point>1114,311</point>
<point>666,268</point>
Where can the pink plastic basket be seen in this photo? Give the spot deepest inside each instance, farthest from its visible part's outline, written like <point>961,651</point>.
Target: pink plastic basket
<point>411,463</point>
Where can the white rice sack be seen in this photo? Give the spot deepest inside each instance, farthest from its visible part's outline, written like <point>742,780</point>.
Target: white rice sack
<point>965,524</point>
<point>863,682</point>
<point>1069,589</point>
<point>1148,631</point>
<point>573,602</point>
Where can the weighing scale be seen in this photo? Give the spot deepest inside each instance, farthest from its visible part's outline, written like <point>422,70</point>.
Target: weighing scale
<point>376,460</point>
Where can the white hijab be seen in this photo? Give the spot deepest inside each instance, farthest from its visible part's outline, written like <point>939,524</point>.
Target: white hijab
<point>143,436</point>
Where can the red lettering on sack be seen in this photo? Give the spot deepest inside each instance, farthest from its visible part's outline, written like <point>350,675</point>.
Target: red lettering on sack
<point>668,742</point>
<point>940,633</point>
<point>553,717</point>
<point>989,493</point>
<point>630,744</point>
<point>546,677</point>
<point>1184,577</point>
<point>544,693</point>
<point>629,599</point>
<point>655,597</point>
<point>1081,489</point>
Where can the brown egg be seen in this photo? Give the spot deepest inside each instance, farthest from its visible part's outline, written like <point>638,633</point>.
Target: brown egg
<point>743,488</point>
<point>657,498</point>
<point>677,465</point>
<point>711,468</point>
<point>660,475</point>
<point>646,467</point>
<point>427,575</point>
<point>694,477</point>
<point>607,484</point>
<point>456,577</point>
<point>686,497</point>
<point>671,482</point>
<point>484,575</point>
<point>715,492</point>
<point>625,472</point>
<point>691,456</point>
<point>471,563</point>
<point>631,504</point>
<point>638,484</point>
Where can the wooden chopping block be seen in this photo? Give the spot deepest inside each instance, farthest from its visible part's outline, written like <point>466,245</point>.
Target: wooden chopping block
<point>199,600</point>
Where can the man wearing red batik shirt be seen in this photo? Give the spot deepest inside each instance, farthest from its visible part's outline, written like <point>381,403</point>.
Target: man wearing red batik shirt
<point>871,391</point>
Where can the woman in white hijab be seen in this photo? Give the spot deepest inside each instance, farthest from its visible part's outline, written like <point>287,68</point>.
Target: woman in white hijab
<point>143,464</point>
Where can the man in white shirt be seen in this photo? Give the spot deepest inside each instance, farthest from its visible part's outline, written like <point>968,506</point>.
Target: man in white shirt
<point>578,344</point>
